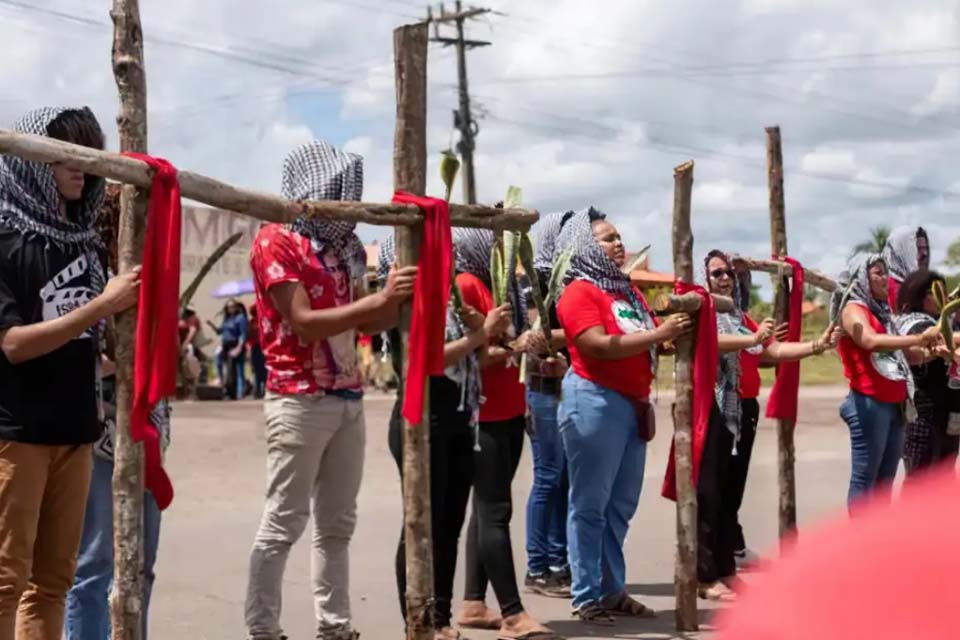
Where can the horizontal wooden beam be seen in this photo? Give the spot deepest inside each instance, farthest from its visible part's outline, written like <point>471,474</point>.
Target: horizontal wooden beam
<point>689,302</point>
<point>810,276</point>
<point>257,204</point>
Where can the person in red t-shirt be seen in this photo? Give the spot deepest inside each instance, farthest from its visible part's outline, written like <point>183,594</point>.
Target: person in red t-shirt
<point>489,554</point>
<point>308,279</point>
<point>743,346</point>
<point>876,366</point>
<point>605,415</point>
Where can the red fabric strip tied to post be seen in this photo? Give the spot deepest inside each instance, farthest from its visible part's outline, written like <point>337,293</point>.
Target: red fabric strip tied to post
<point>705,362</point>
<point>431,293</point>
<point>157,342</point>
<point>784,397</point>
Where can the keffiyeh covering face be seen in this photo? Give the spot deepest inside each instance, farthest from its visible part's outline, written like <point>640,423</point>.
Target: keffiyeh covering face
<point>548,229</point>
<point>472,249</point>
<point>728,366</point>
<point>589,262</point>
<point>320,171</point>
<point>31,204</point>
<point>465,373</point>
<point>900,251</point>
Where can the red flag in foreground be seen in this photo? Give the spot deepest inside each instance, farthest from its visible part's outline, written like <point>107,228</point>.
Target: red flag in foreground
<point>889,573</point>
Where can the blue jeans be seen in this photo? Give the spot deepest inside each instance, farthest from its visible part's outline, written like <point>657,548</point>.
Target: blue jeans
<point>605,458</point>
<point>87,609</point>
<point>876,442</point>
<point>547,503</point>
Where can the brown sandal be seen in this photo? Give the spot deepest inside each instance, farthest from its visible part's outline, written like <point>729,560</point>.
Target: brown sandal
<point>625,606</point>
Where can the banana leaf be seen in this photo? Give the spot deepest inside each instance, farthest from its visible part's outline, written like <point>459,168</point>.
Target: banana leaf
<point>514,197</point>
<point>526,259</point>
<point>449,167</point>
<point>191,289</point>
<point>497,282</point>
<point>835,315</point>
<point>946,324</point>
<point>560,267</point>
<point>633,264</point>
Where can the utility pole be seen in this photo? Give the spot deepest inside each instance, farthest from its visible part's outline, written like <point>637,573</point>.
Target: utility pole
<point>462,119</point>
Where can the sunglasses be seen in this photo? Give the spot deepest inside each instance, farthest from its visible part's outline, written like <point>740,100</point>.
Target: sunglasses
<point>717,273</point>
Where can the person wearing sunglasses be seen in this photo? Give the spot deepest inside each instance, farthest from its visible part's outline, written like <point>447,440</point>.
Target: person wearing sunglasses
<point>744,345</point>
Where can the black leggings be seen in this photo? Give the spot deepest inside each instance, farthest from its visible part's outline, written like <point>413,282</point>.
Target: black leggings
<point>451,474</point>
<point>716,504</point>
<point>740,464</point>
<point>489,552</point>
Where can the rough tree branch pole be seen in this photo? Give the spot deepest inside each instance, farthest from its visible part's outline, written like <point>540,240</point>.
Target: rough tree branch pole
<point>410,174</point>
<point>786,455</point>
<point>685,576</point>
<point>126,600</point>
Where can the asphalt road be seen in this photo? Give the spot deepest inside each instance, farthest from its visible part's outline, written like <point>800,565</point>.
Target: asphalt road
<point>218,465</point>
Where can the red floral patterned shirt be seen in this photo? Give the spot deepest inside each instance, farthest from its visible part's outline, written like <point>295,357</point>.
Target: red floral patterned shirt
<point>295,367</point>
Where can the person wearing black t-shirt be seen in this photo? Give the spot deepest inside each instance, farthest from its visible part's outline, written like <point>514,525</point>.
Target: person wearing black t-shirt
<point>54,300</point>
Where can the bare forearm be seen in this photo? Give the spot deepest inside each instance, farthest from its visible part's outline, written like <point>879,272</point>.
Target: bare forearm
<point>728,343</point>
<point>558,339</point>
<point>319,324</point>
<point>789,351</point>
<point>882,342</point>
<point>387,319</point>
<point>31,341</point>
<point>454,352</point>
<point>491,358</point>
<point>607,347</point>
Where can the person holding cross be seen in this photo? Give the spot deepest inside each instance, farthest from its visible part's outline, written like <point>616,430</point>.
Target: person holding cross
<point>54,303</point>
<point>875,362</point>
<point>605,414</point>
<point>744,345</point>
<point>309,278</point>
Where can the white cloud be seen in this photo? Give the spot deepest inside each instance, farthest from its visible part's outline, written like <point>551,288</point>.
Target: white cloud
<point>679,85</point>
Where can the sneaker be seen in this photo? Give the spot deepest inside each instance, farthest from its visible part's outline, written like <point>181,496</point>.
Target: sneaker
<point>546,584</point>
<point>338,633</point>
<point>563,576</point>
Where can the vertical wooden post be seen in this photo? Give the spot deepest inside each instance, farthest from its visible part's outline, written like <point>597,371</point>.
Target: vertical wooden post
<point>410,174</point>
<point>787,509</point>
<point>126,600</point>
<point>685,575</point>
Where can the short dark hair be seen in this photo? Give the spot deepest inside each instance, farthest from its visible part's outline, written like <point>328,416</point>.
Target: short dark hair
<point>914,290</point>
<point>77,126</point>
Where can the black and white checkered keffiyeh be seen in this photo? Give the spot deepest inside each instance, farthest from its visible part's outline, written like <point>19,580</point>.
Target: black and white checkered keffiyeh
<point>386,257</point>
<point>31,204</point>
<point>589,262</point>
<point>472,249</point>
<point>900,251</point>
<point>728,365</point>
<point>548,229</point>
<point>890,364</point>
<point>159,417</point>
<point>319,171</point>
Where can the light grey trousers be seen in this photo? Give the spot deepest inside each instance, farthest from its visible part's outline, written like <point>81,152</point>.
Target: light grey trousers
<point>315,450</point>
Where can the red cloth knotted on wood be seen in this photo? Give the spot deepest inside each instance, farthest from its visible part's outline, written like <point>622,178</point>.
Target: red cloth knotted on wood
<point>431,292</point>
<point>705,362</point>
<point>784,397</point>
<point>157,346</point>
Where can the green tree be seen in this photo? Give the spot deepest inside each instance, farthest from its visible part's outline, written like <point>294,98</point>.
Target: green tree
<point>953,254</point>
<point>876,243</point>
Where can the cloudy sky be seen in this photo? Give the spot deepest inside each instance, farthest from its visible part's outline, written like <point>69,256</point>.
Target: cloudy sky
<point>579,102</point>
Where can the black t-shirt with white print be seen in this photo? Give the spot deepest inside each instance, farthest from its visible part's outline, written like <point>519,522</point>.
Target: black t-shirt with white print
<point>52,399</point>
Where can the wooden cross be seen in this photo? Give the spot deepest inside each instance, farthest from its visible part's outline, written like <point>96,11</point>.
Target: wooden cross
<point>410,162</point>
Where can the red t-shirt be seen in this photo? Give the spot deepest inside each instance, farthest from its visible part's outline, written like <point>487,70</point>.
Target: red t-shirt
<point>503,392</point>
<point>295,367</point>
<point>750,366</point>
<point>583,306</point>
<point>859,370</point>
<point>893,289</point>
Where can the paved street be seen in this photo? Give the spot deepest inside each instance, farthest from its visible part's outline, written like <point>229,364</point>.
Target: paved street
<point>217,462</point>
